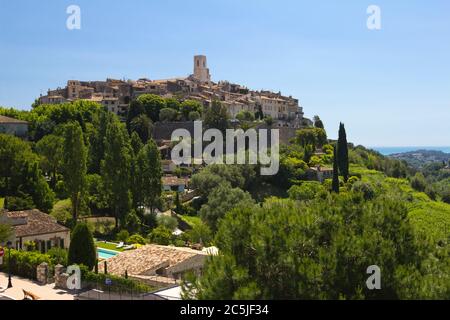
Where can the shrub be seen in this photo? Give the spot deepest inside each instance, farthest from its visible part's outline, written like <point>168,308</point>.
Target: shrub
<point>365,188</point>
<point>167,114</point>
<point>132,222</point>
<point>58,256</point>
<point>194,115</point>
<point>200,233</point>
<point>179,243</point>
<point>306,191</point>
<point>25,202</point>
<point>160,235</point>
<point>82,249</point>
<point>24,263</point>
<point>136,239</point>
<point>123,236</point>
<point>168,222</point>
<point>119,284</point>
<point>61,211</point>
<point>418,182</point>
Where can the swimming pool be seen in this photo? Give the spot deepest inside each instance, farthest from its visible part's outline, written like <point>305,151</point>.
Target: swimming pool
<point>106,254</point>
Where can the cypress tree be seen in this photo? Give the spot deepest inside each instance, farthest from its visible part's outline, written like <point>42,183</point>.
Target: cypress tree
<point>335,185</point>
<point>82,249</point>
<point>342,152</point>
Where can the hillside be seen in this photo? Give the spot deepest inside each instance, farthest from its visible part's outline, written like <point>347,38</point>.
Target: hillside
<point>419,158</point>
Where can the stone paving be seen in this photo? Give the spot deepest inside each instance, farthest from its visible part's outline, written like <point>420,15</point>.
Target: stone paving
<point>44,292</point>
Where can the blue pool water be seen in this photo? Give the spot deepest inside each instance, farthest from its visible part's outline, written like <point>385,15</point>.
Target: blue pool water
<point>106,254</point>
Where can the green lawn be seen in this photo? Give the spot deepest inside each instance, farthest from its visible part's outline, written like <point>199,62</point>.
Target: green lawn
<point>108,246</point>
<point>191,220</point>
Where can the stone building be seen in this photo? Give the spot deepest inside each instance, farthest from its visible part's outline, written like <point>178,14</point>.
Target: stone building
<point>116,95</point>
<point>156,260</point>
<point>13,126</point>
<point>34,226</point>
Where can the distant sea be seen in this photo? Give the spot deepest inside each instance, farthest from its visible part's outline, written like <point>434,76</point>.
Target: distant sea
<point>393,150</point>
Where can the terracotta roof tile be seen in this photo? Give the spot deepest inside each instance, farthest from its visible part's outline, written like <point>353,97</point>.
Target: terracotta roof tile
<point>37,223</point>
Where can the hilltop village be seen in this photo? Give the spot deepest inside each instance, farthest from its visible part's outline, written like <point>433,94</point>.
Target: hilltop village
<point>116,95</point>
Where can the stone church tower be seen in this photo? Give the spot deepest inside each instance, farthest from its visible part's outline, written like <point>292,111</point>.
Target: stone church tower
<point>201,71</point>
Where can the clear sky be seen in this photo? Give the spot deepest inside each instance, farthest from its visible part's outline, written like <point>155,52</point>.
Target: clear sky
<point>390,87</point>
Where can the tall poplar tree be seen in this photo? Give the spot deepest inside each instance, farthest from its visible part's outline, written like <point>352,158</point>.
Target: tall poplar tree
<point>148,175</point>
<point>115,169</point>
<point>74,164</point>
<point>343,152</point>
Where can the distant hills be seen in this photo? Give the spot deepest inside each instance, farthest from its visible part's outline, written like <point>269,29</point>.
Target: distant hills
<point>420,158</point>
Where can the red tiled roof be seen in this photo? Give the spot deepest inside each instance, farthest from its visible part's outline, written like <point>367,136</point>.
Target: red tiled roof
<point>37,223</point>
<point>8,120</point>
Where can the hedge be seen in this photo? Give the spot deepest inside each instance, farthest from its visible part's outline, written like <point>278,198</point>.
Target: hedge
<point>98,281</point>
<point>24,263</point>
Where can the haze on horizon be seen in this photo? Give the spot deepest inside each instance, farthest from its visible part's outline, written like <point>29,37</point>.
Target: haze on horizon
<point>391,87</point>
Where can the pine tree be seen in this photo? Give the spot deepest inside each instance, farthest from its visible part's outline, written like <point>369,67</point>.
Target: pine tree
<point>342,151</point>
<point>335,185</point>
<point>82,249</point>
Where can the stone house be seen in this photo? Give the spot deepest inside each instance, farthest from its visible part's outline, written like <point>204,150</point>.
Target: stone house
<point>319,173</point>
<point>156,260</point>
<point>13,126</point>
<point>37,227</point>
<point>173,183</point>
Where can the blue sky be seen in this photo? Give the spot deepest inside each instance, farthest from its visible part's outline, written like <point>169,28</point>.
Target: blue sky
<point>390,87</point>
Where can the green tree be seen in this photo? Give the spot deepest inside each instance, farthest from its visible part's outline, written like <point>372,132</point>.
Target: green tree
<point>342,149</point>
<point>168,222</point>
<point>82,249</point>
<point>20,176</point>
<point>116,170</point>
<point>189,106</point>
<point>143,126</point>
<point>217,117</point>
<point>314,137</point>
<point>161,235</point>
<point>173,103</point>
<point>167,115</point>
<point>200,233</point>
<point>50,148</point>
<point>134,110</point>
<point>148,176</point>
<point>74,164</point>
<point>315,250</point>
<point>418,182</point>
<point>152,105</point>
<point>97,140</point>
<point>136,143</point>
<point>308,190</point>
<point>62,211</point>
<point>318,123</point>
<point>221,200</point>
<point>5,232</point>
<point>335,184</point>
<point>194,116</point>
<point>245,115</point>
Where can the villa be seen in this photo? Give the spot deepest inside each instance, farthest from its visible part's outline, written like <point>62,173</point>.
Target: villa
<point>34,226</point>
<point>13,126</point>
<point>173,183</point>
<point>156,260</point>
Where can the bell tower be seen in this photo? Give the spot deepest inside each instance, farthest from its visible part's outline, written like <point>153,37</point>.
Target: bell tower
<point>201,71</point>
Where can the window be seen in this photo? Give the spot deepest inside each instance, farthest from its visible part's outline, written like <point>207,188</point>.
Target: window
<point>49,245</point>
<point>61,243</point>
